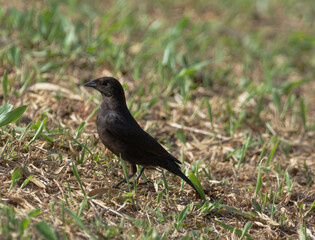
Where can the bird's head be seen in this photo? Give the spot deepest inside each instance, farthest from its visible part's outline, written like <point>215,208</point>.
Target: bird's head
<point>109,87</point>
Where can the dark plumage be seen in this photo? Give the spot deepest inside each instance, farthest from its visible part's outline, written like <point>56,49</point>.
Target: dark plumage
<point>123,136</point>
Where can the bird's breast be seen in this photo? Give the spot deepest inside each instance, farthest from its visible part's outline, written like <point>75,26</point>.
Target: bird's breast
<point>109,140</point>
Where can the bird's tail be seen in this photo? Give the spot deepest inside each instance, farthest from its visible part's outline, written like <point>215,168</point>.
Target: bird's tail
<point>173,167</point>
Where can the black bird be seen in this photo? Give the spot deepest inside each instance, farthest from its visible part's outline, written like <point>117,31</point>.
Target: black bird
<point>123,136</point>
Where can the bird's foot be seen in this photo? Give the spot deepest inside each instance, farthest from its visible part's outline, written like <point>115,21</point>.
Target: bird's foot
<point>144,183</point>
<point>116,186</point>
<point>124,180</point>
<point>132,183</point>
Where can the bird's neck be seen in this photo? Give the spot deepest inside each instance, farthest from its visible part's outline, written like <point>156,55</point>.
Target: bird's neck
<point>114,104</point>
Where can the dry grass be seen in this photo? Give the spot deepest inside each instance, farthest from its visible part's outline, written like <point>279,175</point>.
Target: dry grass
<point>287,191</point>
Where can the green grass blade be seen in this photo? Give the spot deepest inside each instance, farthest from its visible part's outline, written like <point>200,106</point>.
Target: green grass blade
<point>209,110</point>
<point>181,217</point>
<point>197,109</point>
<point>239,120</point>
<point>38,132</point>
<point>197,184</point>
<point>15,177</point>
<point>236,211</point>
<point>233,229</point>
<point>12,116</point>
<point>188,71</point>
<point>80,129</point>
<point>248,226</point>
<point>5,108</point>
<point>277,100</point>
<point>256,205</point>
<point>303,112</point>
<point>181,135</point>
<point>125,172</point>
<point>288,181</point>
<point>243,152</point>
<point>309,210</point>
<point>258,182</point>
<point>26,181</point>
<point>25,131</point>
<point>78,221</point>
<point>81,145</point>
<point>302,232</point>
<point>76,174</point>
<point>272,152</point>
<point>46,231</point>
<point>34,213</point>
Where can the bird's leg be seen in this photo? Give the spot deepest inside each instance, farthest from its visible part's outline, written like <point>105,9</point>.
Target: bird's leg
<point>139,175</point>
<point>124,180</point>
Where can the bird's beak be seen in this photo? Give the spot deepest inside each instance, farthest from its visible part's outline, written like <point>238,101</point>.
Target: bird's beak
<point>90,84</point>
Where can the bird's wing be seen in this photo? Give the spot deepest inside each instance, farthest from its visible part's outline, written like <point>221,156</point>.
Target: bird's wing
<point>129,131</point>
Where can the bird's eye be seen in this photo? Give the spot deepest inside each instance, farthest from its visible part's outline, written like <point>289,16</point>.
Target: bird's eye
<point>104,83</point>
